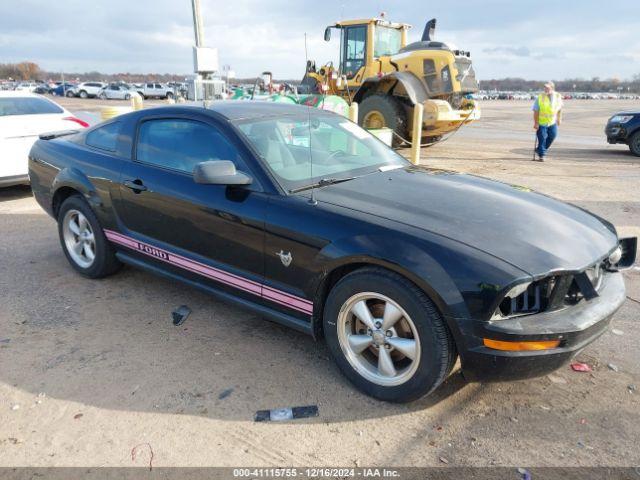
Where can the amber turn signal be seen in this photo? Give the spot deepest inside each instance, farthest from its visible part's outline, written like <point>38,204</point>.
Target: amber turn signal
<point>519,346</point>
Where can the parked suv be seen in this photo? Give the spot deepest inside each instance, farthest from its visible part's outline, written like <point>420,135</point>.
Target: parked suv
<point>624,127</point>
<point>155,90</point>
<point>86,90</point>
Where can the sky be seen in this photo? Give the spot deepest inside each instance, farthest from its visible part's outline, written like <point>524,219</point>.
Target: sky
<point>517,38</point>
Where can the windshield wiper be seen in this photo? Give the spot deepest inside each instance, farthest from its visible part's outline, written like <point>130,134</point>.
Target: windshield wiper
<point>322,183</point>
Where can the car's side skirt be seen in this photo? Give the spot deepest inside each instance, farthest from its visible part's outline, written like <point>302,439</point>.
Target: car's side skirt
<point>271,314</point>
<point>258,289</point>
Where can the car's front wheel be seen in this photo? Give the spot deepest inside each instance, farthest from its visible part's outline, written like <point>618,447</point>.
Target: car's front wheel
<point>84,94</point>
<point>387,336</point>
<point>83,241</point>
<point>634,144</point>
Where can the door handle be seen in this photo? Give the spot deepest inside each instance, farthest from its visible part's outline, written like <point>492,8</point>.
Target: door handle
<point>136,185</point>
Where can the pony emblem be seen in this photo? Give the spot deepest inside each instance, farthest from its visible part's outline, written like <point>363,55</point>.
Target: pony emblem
<point>285,258</point>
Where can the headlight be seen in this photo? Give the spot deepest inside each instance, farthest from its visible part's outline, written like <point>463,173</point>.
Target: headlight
<point>621,118</point>
<point>523,299</point>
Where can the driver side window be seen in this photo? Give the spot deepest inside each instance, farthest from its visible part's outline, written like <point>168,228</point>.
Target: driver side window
<point>180,145</point>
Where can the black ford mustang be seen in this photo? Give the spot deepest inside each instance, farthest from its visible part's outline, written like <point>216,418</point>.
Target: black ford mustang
<point>306,218</point>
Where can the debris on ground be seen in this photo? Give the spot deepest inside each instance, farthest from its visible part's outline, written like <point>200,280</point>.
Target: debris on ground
<point>78,416</point>
<point>15,407</point>
<point>513,419</point>
<point>281,414</point>
<point>581,367</point>
<point>225,393</point>
<point>583,421</point>
<point>613,367</point>
<point>180,314</point>
<point>632,388</point>
<point>615,331</point>
<point>556,379</point>
<point>5,340</point>
<point>545,407</point>
<point>40,398</point>
<point>443,460</point>
<point>134,453</point>
<point>525,475</point>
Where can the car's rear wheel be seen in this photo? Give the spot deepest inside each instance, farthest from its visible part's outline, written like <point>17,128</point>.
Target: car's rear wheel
<point>84,94</point>
<point>387,336</point>
<point>70,94</point>
<point>83,240</point>
<point>634,144</point>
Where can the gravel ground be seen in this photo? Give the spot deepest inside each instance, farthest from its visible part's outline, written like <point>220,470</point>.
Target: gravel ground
<point>91,369</point>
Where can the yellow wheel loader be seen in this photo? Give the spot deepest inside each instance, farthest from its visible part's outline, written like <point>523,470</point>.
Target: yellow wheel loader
<point>387,78</point>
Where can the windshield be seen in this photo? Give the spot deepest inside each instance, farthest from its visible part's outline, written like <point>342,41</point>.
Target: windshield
<point>387,41</point>
<point>339,148</point>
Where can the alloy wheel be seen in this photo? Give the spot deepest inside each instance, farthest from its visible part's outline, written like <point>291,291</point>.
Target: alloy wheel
<point>379,339</point>
<point>79,238</point>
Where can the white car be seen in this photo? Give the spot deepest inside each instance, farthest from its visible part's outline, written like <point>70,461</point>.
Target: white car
<point>86,89</point>
<point>26,87</point>
<point>23,117</point>
<point>117,92</point>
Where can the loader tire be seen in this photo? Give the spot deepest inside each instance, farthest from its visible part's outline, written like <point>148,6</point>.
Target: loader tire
<point>384,111</point>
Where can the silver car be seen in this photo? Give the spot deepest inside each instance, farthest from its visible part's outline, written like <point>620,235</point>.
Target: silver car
<point>116,92</point>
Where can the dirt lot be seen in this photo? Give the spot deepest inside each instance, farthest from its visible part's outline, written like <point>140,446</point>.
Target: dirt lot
<point>90,369</point>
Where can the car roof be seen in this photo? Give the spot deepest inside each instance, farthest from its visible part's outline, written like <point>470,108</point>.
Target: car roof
<point>12,93</point>
<point>241,109</point>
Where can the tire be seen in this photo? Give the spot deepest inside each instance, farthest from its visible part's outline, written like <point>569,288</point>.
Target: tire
<point>634,144</point>
<point>169,96</point>
<point>102,96</point>
<point>70,94</point>
<point>384,111</point>
<point>104,261</point>
<point>420,329</point>
<point>127,97</point>
<point>83,94</point>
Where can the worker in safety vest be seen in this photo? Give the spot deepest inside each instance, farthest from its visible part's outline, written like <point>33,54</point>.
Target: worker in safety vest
<point>547,116</point>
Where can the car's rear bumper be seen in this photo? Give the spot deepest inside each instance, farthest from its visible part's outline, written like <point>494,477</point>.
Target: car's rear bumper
<point>14,180</point>
<point>575,328</point>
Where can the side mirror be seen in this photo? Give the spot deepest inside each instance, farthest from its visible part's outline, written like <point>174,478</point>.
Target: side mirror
<point>219,172</point>
<point>327,34</point>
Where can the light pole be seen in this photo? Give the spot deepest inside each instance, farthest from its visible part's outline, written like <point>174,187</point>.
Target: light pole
<point>197,23</point>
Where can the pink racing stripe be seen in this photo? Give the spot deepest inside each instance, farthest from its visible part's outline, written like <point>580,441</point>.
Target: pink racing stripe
<point>236,281</point>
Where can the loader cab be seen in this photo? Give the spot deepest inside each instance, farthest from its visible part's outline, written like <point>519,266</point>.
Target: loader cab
<point>363,42</point>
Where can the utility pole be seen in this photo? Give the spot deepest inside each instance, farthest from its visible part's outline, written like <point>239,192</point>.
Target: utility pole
<point>205,60</point>
<point>197,23</point>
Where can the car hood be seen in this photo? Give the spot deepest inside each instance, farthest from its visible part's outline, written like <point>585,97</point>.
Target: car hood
<point>529,230</point>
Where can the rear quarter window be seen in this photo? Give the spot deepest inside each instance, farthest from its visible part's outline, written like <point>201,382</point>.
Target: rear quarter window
<point>105,137</point>
<point>27,106</point>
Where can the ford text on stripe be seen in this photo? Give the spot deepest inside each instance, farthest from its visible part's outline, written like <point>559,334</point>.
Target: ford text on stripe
<point>236,281</point>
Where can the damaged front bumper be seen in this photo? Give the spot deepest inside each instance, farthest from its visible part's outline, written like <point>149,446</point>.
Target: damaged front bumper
<point>616,133</point>
<point>574,327</point>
